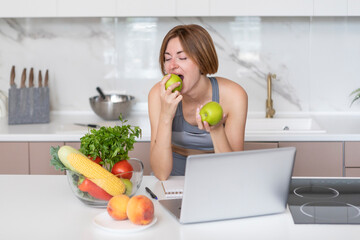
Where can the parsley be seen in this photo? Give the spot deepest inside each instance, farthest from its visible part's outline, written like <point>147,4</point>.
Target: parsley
<point>111,144</point>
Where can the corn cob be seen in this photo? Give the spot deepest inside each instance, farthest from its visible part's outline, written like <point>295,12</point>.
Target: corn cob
<point>97,174</point>
<point>78,162</point>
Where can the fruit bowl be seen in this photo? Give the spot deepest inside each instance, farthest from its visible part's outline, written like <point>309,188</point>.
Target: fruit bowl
<point>132,185</point>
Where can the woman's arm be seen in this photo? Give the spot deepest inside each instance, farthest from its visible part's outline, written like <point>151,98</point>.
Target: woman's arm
<point>162,107</point>
<point>229,137</point>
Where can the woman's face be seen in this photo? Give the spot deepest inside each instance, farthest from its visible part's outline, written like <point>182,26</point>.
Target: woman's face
<point>177,62</point>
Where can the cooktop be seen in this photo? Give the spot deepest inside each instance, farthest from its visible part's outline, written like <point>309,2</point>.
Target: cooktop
<point>325,200</point>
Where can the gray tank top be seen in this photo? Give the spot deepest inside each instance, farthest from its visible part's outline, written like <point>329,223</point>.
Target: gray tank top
<point>188,136</point>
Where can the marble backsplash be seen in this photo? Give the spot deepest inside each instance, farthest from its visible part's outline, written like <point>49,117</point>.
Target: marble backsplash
<point>315,59</point>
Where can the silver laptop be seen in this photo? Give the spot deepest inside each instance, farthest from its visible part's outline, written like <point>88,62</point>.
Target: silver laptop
<point>234,185</point>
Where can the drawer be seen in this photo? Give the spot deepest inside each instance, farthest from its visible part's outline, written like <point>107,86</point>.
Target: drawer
<point>352,172</point>
<point>352,154</point>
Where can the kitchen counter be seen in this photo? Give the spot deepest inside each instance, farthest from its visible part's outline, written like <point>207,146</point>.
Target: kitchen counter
<point>62,127</point>
<point>43,207</point>
<point>337,127</point>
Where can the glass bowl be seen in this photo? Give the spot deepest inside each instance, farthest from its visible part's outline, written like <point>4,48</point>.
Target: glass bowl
<point>75,178</point>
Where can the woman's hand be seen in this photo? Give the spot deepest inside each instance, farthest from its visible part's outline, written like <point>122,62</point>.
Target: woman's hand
<point>169,99</point>
<point>203,125</point>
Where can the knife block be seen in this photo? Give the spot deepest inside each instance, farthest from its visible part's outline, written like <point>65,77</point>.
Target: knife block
<point>29,105</point>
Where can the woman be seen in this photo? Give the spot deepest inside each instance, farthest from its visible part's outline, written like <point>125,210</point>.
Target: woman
<point>176,127</point>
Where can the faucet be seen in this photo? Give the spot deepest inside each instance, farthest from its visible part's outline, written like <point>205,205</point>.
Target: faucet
<point>270,111</point>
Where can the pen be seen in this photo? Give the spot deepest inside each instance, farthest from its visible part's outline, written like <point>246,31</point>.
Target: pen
<point>151,193</point>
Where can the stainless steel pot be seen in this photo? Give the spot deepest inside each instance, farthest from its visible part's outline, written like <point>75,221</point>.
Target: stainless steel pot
<point>112,106</point>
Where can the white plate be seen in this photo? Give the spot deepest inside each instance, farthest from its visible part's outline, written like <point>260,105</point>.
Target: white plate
<point>104,221</point>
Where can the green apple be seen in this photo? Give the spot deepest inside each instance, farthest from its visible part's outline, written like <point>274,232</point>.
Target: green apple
<point>212,113</point>
<point>128,186</point>
<point>173,79</point>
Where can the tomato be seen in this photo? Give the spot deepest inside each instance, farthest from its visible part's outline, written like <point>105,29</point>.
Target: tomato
<point>123,166</point>
<point>97,160</point>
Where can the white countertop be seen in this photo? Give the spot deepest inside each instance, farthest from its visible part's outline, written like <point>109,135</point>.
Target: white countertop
<point>62,127</point>
<point>43,207</point>
<point>337,127</point>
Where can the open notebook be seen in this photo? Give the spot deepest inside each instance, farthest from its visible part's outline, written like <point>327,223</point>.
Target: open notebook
<point>173,187</point>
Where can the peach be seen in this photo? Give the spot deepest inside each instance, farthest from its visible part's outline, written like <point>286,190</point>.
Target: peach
<point>116,207</point>
<point>140,210</point>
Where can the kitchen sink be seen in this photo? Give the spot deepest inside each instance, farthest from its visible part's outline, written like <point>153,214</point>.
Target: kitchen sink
<point>282,125</point>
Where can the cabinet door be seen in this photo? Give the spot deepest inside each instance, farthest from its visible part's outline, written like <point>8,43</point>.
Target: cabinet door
<point>353,7</point>
<point>14,158</point>
<point>330,8</point>
<point>145,8</point>
<point>260,145</point>
<point>261,8</point>
<point>352,159</point>
<point>317,159</point>
<point>39,154</point>
<point>192,8</point>
<point>352,154</point>
<point>86,8</point>
<point>142,152</point>
<point>75,145</point>
<point>26,8</point>
<point>352,172</point>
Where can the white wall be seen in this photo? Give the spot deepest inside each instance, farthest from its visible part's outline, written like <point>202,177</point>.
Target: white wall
<point>316,59</point>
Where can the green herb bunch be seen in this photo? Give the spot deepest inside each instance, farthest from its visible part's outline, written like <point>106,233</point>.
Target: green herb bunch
<point>55,160</point>
<point>357,95</point>
<point>111,144</point>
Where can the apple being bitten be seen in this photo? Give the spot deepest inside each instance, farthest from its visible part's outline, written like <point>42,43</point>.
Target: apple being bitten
<point>174,79</point>
<point>212,113</point>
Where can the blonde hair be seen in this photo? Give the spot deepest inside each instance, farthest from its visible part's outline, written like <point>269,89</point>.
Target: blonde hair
<point>197,44</point>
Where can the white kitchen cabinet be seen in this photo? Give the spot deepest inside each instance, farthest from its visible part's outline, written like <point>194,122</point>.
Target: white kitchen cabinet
<point>14,158</point>
<point>171,8</point>
<point>261,8</point>
<point>317,159</point>
<point>27,8</point>
<point>192,8</point>
<point>140,8</point>
<point>86,8</point>
<point>330,7</point>
<point>353,8</point>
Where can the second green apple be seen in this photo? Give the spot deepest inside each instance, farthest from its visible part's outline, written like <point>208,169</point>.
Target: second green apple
<point>173,79</point>
<point>212,113</point>
<point>128,186</point>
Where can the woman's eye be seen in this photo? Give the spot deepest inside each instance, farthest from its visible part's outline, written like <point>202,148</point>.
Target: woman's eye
<point>167,59</point>
<point>184,58</point>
